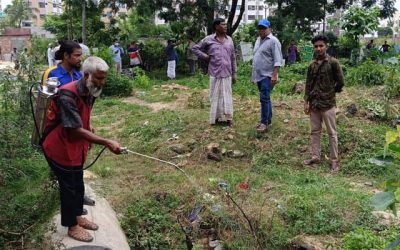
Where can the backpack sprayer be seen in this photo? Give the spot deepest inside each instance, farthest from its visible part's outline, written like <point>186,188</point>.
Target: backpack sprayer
<point>46,94</point>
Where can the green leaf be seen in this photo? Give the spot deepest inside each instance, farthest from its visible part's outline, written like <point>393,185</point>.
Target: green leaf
<point>382,201</point>
<point>391,136</point>
<point>397,194</point>
<point>389,185</point>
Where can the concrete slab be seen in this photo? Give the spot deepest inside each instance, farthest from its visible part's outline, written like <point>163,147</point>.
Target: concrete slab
<point>108,236</point>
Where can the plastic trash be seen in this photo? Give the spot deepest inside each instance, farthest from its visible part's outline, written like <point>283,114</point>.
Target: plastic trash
<point>208,197</point>
<point>216,208</point>
<point>244,185</point>
<point>223,185</point>
<point>194,214</point>
<point>215,244</point>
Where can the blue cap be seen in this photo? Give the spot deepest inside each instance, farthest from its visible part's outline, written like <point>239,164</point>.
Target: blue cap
<point>264,23</point>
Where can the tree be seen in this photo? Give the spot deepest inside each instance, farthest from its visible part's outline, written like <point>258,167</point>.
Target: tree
<point>69,24</point>
<point>17,12</point>
<point>190,17</point>
<point>358,21</point>
<point>384,31</point>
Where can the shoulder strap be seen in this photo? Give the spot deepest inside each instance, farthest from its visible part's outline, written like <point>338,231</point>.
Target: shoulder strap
<point>57,122</point>
<point>45,75</point>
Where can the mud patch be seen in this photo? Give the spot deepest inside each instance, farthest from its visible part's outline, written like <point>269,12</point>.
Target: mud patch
<point>178,104</point>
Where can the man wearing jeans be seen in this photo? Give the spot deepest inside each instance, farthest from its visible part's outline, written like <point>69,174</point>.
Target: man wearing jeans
<point>324,80</point>
<point>266,62</point>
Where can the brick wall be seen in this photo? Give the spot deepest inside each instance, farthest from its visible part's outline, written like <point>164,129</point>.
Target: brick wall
<point>14,38</point>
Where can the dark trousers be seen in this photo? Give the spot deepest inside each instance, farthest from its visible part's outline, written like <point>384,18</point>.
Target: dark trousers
<point>192,66</point>
<point>72,190</point>
<point>264,86</point>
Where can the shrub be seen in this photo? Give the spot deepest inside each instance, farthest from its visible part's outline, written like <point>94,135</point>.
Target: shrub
<point>104,53</point>
<point>26,198</point>
<point>368,73</point>
<point>363,239</point>
<point>141,80</point>
<point>153,55</point>
<point>117,85</point>
<point>39,48</point>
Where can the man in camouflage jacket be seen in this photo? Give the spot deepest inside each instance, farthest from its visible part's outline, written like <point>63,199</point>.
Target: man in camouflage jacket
<point>324,80</point>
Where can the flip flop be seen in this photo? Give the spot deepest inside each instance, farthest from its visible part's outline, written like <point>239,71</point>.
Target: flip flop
<point>86,224</point>
<point>80,235</point>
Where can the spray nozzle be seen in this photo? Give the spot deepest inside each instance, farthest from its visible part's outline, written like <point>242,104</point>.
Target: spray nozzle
<point>124,150</point>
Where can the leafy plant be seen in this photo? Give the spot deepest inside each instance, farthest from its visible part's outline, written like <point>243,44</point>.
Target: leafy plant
<point>368,73</point>
<point>391,194</point>
<point>358,21</point>
<point>148,223</point>
<point>362,238</point>
<point>153,55</point>
<point>141,80</point>
<point>117,85</point>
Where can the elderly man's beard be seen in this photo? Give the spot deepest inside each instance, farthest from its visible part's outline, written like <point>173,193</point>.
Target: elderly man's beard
<point>93,90</point>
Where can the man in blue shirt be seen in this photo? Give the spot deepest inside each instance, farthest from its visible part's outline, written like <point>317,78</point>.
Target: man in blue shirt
<point>68,70</point>
<point>117,52</point>
<point>172,57</point>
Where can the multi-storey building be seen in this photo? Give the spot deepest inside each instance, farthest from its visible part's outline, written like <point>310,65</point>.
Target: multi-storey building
<point>254,10</point>
<point>40,9</point>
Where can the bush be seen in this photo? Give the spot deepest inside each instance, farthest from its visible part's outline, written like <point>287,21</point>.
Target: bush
<point>153,55</point>
<point>26,197</point>
<point>39,48</point>
<point>141,80</point>
<point>117,85</point>
<point>368,73</point>
<point>104,53</point>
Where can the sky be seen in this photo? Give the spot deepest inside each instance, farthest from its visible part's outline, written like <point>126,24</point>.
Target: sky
<point>4,3</point>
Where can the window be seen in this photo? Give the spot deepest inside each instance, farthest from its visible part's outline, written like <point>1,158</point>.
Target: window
<point>261,7</point>
<point>251,17</point>
<point>42,5</point>
<point>251,7</point>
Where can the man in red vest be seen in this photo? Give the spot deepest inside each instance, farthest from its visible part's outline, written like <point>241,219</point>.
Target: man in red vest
<point>68,136</point>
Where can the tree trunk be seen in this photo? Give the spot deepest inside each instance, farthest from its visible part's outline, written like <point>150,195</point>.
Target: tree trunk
<point>84,21</point>
<point>236,25</point>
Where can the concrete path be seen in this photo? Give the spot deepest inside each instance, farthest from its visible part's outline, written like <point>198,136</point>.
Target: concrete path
<point>108,236</point>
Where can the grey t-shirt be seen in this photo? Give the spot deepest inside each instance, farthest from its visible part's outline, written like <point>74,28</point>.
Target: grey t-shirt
<point>267,55</point>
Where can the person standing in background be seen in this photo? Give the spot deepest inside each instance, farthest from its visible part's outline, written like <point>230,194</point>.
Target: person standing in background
<point>218,50</point>
<point>50,55</point>
<point>292,53</point>
<point>134,56</point>
<point>172,58</point>
<point>191,57</point>
<point>117,52</point>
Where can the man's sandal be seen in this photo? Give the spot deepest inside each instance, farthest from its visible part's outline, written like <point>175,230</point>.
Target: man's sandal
<point>311,161</point>
<point>86,224</point>
<point>80,234</point>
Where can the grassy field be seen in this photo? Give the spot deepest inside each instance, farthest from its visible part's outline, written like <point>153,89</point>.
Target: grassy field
<point>284,198</point>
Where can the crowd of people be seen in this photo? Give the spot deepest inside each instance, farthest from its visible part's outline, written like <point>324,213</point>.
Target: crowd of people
<point>68,133</point>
